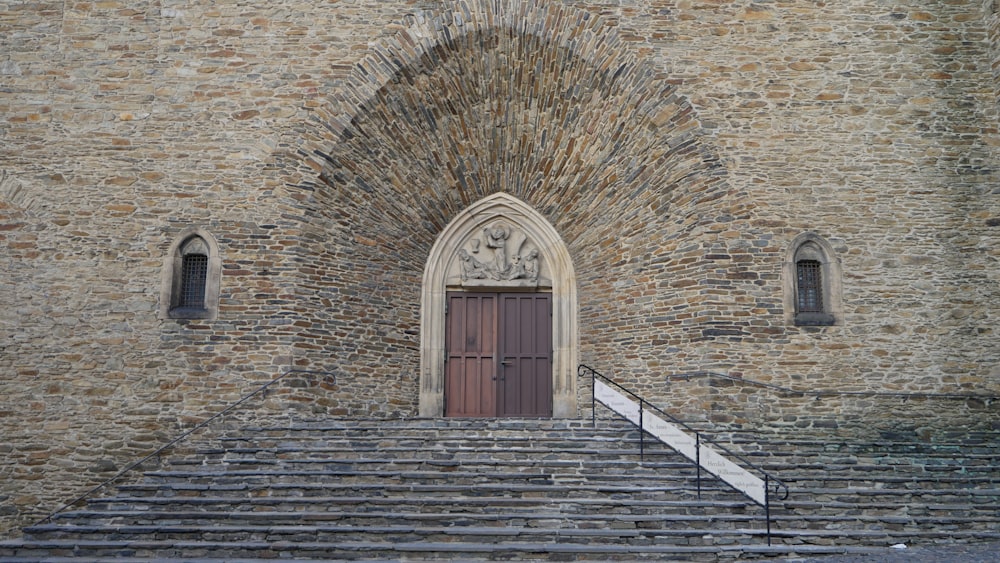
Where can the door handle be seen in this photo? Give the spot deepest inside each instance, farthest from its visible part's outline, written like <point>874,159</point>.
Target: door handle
<point>506,362</point>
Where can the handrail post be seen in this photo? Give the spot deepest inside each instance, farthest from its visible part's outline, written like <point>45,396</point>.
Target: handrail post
<point>593,398</point>
<point>642,434</point>
<point>697,462</point>
<point>767,505</point>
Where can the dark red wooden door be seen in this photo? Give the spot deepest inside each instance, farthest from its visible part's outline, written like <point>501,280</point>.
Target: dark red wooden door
<point>525,345</point>
<point>470,345</point>
<point>499,349</point>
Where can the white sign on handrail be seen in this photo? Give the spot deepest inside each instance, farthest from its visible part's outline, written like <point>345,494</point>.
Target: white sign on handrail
<point>675,437</point>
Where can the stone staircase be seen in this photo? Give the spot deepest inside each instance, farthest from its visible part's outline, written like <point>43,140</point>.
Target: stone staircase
<point>508,489</point>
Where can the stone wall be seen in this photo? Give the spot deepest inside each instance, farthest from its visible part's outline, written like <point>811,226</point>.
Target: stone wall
<point>677,146</point>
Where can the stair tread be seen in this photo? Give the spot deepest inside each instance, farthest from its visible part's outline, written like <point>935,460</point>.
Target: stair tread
<point>512,515</point>
<point>454,487</point>
<point>524,531</point>
<point>490,500</point>
<point>443,547</point>
<point>551,481</point>
<point>645,467</point>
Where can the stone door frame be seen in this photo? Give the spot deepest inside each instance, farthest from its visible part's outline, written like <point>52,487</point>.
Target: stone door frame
<point>440,275</point>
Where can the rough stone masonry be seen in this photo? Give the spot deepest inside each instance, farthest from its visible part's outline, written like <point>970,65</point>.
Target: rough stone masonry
<point>678,148</point>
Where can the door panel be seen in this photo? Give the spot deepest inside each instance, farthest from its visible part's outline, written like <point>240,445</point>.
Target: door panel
<point>470,369</point>
<point>525,371</point>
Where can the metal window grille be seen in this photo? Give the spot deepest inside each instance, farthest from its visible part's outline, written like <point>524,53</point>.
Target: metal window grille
<point>810,286</point>
<point>194,274</point>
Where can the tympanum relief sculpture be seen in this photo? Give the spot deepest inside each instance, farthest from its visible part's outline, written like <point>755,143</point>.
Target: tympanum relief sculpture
<point>500,256</point>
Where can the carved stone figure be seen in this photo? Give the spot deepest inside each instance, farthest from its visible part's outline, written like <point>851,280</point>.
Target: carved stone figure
<point>496,238</point>
<point>530,265</point>
<point>472,269</point>
<point>516,270</point>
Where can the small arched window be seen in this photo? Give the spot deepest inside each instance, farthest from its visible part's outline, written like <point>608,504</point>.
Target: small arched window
<point>809,286</point>
<point>812,283</point>
<point>194,274</point>
<point>191,277</point>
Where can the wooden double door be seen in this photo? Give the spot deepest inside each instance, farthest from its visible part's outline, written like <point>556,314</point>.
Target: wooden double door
<point>498,350</point>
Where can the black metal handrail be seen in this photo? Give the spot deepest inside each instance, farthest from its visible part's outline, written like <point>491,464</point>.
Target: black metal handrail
<point>159,451</point>
<point>769,480</point>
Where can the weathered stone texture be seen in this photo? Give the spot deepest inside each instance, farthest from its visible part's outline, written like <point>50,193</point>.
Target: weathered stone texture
<point>677,146</point>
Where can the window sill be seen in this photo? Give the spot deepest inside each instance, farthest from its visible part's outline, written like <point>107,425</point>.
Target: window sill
<point>189,313</point>
<point>814,319</point>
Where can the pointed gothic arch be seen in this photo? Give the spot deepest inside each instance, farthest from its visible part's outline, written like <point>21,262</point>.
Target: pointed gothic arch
<point>528,232</point>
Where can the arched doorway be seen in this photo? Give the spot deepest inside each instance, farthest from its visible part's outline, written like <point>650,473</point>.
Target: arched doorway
<point>498,289</point>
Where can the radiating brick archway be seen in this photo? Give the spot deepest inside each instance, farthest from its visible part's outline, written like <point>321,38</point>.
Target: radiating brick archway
<point>542,102</point>
<point>536,99</point>
<point>559,278</point>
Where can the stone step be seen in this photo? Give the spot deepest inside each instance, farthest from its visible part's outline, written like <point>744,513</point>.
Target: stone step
<point>338,532</point>
<point>534,431</point>
<point>485,502</point>
<point>377,460</point>
<point>420,468</point>
<point>549,488</point>
<point>832,441</point>
<point>892,508</point>
<point>902,451</point>
<point>956,482</point>
<point>468,454</point>
<point>299,480</point>
<point>460,424</point>
<point>464,428</point>
<point>331,532</point>
<point>832,472</point>
<point>435,442</point>
<point>548,517</point>
<point>531,517</point>
<point>818,464</point>
<point>438,443</point>
<point>877,493</point>
<point>837,446</point>
<point>748,443</point>
<point>700,549</point>
<point>986,467</point>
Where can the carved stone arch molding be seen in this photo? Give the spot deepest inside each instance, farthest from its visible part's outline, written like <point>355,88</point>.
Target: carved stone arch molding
<point>499,243</point>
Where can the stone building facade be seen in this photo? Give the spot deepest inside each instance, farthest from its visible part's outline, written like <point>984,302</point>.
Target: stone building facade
<point>663,166</point>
